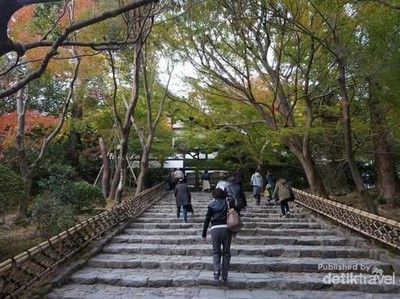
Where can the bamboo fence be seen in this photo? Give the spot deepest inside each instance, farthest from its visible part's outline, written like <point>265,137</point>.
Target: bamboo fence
<point>379,228</point>
<point>22,272</point>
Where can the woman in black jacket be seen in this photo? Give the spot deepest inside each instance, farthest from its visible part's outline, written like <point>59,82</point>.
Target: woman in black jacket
<point>220,234</point>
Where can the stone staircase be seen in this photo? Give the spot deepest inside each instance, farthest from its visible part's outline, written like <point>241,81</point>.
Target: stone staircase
<point>159,256</point>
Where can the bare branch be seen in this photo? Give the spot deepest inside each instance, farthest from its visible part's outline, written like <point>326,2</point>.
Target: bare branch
<point>61,121</point>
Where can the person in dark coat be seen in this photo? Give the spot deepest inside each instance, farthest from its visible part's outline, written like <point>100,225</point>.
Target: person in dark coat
<point>183,199</point>
<point>271,182</point>
<point>221,236</point>
<point>234,192</point>
<point>239,177</point>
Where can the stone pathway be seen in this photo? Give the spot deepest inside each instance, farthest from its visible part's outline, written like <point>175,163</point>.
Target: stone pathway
<point>159,256</point>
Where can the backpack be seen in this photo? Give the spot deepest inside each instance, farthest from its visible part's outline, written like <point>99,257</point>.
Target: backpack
<point>287,190</point>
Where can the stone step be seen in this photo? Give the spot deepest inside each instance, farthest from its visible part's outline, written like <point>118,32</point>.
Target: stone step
<point>293,217</point>
<point>268,240</point>
<point>203,207</point>
<point>187,230</point>
<point>263,250</point>
<point>248,225</point>
<point>248,264</point>
<point>271,281</point>
<point>246,217</point>
<point>200,219</point>
<point>159,256</point>
<point>102,291</point>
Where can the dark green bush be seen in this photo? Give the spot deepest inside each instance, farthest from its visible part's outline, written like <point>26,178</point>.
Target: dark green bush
<point>51,216</point>
<point>61,182</point>
<point>155,176</point>
<point>50,177</point>
<point>80,195</point>
<point>12,188</point>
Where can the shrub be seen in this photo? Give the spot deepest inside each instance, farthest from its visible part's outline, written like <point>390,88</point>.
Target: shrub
<point>51,216</point>
<point>12,188</point>
<point>51,177</point>
<point>155,176</point>
<point>81,195</point>
<point>60,181</point>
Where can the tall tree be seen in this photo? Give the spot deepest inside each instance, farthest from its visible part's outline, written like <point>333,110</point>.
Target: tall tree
<point>141,24</point>
<point>27,169</point>
<point>378,36</point>
<point>242,41</point>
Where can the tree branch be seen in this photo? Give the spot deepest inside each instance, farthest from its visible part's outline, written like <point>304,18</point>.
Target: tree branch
<point>61,39</point>
<point>7,9</point>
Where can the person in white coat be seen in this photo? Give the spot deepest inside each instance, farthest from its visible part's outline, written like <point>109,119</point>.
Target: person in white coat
<point>257,182</point>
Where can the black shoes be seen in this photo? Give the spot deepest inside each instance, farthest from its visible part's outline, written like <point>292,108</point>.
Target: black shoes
<point>216,275</point>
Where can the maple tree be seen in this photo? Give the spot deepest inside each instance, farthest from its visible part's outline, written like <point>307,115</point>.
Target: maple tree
<point>37,125</point>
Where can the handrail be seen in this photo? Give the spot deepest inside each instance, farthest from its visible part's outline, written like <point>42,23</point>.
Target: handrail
<point>377,227</point>
<point>20,273</point>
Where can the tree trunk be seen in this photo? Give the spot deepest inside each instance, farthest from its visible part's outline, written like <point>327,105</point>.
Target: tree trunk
<point>115,180</point>
<point>74,138</point>
<point>118,182</point>
<point>144,166</point>
<point>388,180</point>
<point>313,177</point>
<point>366,198</point>
<point>25,171</point>
<point>105,179</point>
<point>334,177</point>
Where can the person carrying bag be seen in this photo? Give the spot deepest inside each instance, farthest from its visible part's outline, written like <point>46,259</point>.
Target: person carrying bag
<point>221,236</point>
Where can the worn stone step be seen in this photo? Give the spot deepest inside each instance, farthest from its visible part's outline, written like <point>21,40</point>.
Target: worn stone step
<point>248,224</point>
<point>159,256</point>
<point>171,207</point>
<point>249,264</point>
<point>260,217</point>
<point>263,250</point>
<point>271,281</point>
<point>249,232</point>
<point>284,240</point>
<point>102,291</point>
<point>199,219</point>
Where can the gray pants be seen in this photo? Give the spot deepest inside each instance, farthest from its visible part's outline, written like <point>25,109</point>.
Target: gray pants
<point>221,240</point>
<point>257,193</point>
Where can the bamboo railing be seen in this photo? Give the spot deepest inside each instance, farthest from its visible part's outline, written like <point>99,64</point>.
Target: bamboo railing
<point>20,273</point>
<point>379,228</point>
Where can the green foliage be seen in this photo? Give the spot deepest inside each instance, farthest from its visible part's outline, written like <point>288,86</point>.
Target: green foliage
<point>47,95</point>
<point>12,188</point>
<point>50,177</point>
<point>44,16</point>
<point>155,176</point>
<point>51,216</point>
<point>80,195</point>
<point>60,181</point>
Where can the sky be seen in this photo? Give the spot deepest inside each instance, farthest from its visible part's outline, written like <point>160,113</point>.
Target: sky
<point>177,83</point>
